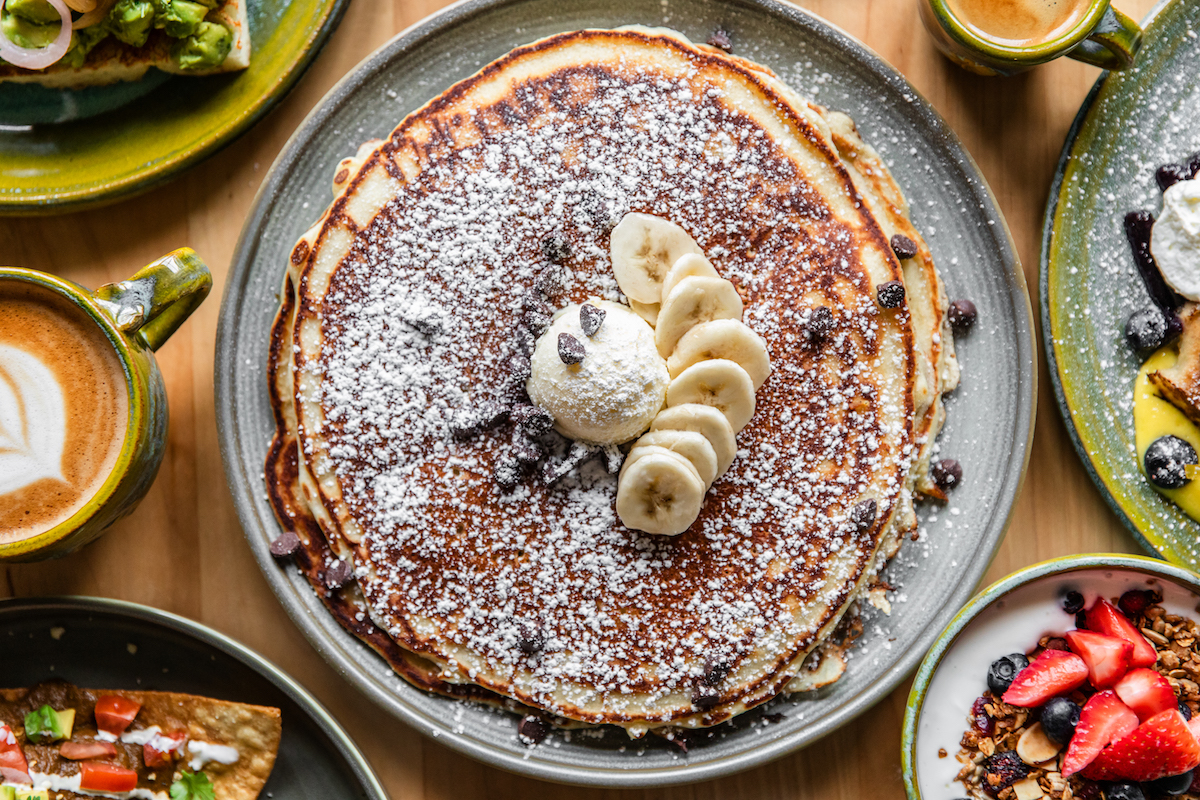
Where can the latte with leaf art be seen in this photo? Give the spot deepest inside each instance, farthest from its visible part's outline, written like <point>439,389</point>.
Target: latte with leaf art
<point>63,409</point>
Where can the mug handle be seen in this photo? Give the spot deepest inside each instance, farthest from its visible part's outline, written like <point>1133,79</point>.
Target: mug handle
<point>1112,44</point>
<point>155,302</point>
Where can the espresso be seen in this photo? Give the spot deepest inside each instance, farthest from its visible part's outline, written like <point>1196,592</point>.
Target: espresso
<point>64,409</point>
<point>1019,23</point>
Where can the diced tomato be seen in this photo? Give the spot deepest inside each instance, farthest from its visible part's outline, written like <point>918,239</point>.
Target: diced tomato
<point>1102,617</point>
<point>1107,657</point>
<point>162,750</point>
<point>13,766</point>
<point>1052,673</point>
<point>95,776</point>
<point>1146,692</point>
<point>114,713</point>
<point>1161,746</point>
<point>81,751</point>
<point>1104,719</point>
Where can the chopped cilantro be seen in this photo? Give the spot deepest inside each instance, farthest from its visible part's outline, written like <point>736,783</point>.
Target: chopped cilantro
<point>192,786</point>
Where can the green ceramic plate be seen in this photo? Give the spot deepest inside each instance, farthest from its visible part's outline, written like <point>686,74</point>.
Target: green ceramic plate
<point>148,132</point>
<point>1009,617</point>
<point>1132,122</point>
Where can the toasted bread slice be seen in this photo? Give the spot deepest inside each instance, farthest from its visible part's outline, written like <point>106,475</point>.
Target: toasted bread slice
<point>1180,384</point>
<point>113,61</point>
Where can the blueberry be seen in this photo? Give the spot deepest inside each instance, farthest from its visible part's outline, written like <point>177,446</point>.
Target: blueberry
<point>1003,670</point>
<point>1186,710</point>
<point>1124,791</point>
<point>1166,459</point>
<point>1172,785</point>
<point>1072,602</point>
<point>1059,718</point>
<point>1146,330</point>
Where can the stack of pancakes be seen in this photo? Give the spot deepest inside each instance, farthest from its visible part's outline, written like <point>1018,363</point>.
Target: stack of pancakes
<point>403,314</point>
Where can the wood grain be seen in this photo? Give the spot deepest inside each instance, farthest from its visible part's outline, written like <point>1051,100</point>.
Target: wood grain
<point>186,534</point>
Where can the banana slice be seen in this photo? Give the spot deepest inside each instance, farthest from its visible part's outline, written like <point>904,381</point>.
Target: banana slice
<point>659,493</point>
<point>647,311</point>
<point>691,265</point>
<point>694,301</point>
<point>689,444</point>
<point>719,383</point>
<point>704,420</point>
<point>643,248</point>
<point>723,338</point>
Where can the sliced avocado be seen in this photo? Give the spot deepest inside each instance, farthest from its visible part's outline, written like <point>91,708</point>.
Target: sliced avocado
<point>38,12</point>
<point>130,21</point>
<point>204,49</point>
<point>47,725</point>
<point>82,42</point>
<point>179,18</point>
<point>24,33</point>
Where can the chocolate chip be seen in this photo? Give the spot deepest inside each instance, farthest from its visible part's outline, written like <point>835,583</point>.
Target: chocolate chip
<point>427,322</point>
<point>590,319</point>
<point>285,544</point>
<point>473,421</point>
<point>526,450</point>
<point>524,339</point>
<point>570,349</point>
<point>946,473</point>
<point>531,637</point>
<point>1168,175</point>
<point>600,212</point>
<point>507,472</point>
<point>537,314</point>
<point>613,459</point>
<point>705,697</point>
<point>962,314</point>
<point>863,514</point>
<point>890,294</point>
<point>720,40</point>
<point>556,248</point>
<point>819,324</point>
<point>519,367</point>
<point>531,420</point>
<point>550,280</point>
<point>556,469</point>
<point>337,575</point>
<point>714,672</point>
<point>903,246</point>
<point>532,730</point>
<point>774,719</point>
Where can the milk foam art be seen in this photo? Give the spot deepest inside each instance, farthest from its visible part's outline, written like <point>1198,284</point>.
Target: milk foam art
<point>33,424</point>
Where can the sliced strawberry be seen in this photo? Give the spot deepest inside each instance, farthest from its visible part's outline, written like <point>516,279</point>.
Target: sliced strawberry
<point>1107,657</point>
<point>82,751</point>
<point>1194,726</point>
<point>1103,618</point>
<point>13,766</point>
<point>1104,719</point>
<point>1161,746</point>
<point>1052,673</point>
<point>1146,692</point>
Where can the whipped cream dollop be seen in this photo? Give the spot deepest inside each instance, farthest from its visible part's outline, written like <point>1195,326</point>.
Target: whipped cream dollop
<point>612,393</point>
<point>1175,238</point>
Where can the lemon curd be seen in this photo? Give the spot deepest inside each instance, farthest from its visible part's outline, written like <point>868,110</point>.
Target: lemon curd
<point>1154,417</point>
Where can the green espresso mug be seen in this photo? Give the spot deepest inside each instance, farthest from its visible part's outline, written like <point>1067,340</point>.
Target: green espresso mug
<point>83,407</point>
<point>1004,37</point>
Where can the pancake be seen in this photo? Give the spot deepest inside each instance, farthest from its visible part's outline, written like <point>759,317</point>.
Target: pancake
<point>409,298</point>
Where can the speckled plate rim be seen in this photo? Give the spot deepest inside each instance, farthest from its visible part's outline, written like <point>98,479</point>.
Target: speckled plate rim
<point>167,168</point>
<point>947,638</point>
<point>245,487</point>
<point>346,748</point>
<point>1147,538</point>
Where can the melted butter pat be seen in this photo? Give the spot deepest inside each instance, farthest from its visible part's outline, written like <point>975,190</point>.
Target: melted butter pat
<point>1154,417</point>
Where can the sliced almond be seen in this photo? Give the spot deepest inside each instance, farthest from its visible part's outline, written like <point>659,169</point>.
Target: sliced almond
<point>1034,747</point>
<point>1027,789</point>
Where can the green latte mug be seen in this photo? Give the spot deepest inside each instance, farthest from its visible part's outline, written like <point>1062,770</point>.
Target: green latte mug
<point>83,407</point>
<point>1100,35</point>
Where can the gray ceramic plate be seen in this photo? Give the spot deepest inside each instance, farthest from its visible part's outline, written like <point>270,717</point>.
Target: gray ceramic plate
<point>990,417</point>
<point>108,644</point>
<point>1131,122</point>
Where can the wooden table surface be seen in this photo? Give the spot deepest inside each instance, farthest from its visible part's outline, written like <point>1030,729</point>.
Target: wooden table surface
<point>186,534</point>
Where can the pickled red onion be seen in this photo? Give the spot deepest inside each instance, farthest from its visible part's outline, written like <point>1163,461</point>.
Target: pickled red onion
<point>39,57</point>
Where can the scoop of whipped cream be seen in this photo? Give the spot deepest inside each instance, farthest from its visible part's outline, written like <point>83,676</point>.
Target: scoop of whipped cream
<point>614,391</point>
<point>1175,238</point>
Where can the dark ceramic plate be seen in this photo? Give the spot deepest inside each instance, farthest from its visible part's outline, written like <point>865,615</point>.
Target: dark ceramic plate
<point>990,416</point>
<point>108,644</point>
<point>1132,122</point>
